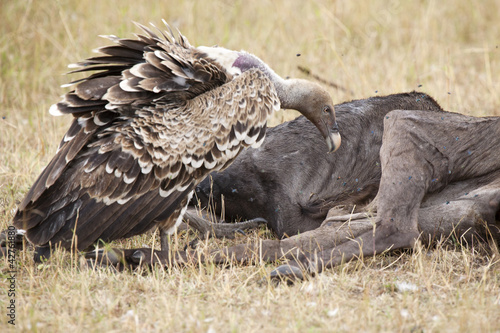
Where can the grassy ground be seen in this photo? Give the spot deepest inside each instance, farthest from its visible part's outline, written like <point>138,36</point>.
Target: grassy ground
<point>449,49</point>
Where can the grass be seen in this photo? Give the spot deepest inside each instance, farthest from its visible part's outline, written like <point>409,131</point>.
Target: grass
<point>449,50</point>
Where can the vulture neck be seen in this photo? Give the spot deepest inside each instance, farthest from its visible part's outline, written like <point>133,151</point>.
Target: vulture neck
<point>292,92</point>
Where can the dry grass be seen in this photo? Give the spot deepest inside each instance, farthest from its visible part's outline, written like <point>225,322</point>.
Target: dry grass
<point>449,50</point>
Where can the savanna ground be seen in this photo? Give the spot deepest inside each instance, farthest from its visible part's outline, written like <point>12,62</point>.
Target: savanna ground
<point>448,49</point>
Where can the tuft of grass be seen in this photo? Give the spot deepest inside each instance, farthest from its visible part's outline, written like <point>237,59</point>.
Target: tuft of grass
<point>449,50</point>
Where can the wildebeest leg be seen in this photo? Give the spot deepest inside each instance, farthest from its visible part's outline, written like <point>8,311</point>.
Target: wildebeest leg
<point>265,250</point>
<point>469,210</point>
<point>464,211</point>
<point>135,257</point>
<point>419,155</point>
<point>219,229</point>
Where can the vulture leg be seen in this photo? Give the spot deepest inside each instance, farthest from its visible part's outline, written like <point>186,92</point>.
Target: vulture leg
<point>164,240</point>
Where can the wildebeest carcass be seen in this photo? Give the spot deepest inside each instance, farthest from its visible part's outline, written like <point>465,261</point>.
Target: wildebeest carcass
<point>408,169</point>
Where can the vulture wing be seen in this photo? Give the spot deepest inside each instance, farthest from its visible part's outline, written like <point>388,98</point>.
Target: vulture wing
<point>150,125</point>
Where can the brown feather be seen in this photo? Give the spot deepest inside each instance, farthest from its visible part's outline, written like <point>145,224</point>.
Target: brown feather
<point>122,52</point>
<point>96,88</point>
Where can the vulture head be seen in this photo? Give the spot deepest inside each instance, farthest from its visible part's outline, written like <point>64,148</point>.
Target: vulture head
<point>307,97</point>
<point>315,104</point>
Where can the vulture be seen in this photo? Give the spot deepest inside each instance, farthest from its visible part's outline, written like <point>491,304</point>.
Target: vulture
<point>152,118</point>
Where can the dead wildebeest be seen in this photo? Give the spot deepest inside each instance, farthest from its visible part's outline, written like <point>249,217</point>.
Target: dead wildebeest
<point>409,169</point>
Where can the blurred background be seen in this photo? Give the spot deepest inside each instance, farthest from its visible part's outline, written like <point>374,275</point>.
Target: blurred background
<point>448,49</point>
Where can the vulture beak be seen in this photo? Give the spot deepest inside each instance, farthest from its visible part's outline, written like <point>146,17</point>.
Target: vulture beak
<point>333,138</point>
<point>330,130</point>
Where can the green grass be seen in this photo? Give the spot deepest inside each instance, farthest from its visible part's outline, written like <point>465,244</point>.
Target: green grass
<point>449,50</point>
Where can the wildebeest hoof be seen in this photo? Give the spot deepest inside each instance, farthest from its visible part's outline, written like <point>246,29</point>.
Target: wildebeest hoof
<point>192,244</point>
<point>287,273</point>
<point>111,257</point>
<point>259,220</point>
<point>12,236</point>
<point>118,258</point>
<point>145,257</point>
<point>138,257</point>
<point>11,239</point>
